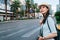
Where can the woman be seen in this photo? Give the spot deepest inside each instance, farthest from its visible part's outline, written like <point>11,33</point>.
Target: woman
<point>48,25</point>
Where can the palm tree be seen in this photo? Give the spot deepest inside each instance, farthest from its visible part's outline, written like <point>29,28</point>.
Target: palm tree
<point>14,8</point>
<point>28,6</point>
<point>5,8</point>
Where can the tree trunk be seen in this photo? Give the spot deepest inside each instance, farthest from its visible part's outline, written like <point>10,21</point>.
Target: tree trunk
<point>17,14</point>
<point>6,9</point>
<point>24,13</point>
<point>28,12</point>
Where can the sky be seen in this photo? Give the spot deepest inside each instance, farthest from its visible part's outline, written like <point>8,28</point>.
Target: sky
<point>53,3</point>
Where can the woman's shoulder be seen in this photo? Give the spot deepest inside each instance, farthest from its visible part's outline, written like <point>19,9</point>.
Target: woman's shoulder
<point>50,17</point>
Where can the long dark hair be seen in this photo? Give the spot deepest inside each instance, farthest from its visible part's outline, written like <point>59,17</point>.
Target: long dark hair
<point>45,17</point>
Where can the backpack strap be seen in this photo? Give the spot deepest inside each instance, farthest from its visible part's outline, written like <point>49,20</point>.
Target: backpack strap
<point>48,26</point>
<point>41,32</point>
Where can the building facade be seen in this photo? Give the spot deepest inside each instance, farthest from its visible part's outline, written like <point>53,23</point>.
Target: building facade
<point>23,4</point>
<point>58,6</point>
<point>2,10</point>
<point>59,1</point>
<point>2,5</point>
<point>51,11</point>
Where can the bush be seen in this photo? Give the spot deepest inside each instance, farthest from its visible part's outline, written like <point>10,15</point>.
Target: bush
<point>57,15</point>
<point>0,20</point>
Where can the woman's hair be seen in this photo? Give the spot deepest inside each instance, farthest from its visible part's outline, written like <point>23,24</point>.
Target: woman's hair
<point>45,16</point>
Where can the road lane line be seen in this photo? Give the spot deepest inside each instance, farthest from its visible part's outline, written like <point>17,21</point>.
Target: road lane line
<point>22,30</point>
<point>31,32</point>
<point>13,33</point>
<point>10,29</point>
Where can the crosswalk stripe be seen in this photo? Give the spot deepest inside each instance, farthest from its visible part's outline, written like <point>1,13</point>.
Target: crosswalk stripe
<point>31,32</point>
<point>14,33</point>
<point>20,31</point>
<point>8,30</point>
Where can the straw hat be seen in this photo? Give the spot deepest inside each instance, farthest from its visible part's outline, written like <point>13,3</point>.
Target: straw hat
<point>44,4</point>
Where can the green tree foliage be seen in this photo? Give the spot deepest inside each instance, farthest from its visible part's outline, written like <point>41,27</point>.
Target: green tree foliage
<point>37,10</point>
<point>28,5</point>
<point>14,7</point>
<point>57,15</point>
<point>35,7</point>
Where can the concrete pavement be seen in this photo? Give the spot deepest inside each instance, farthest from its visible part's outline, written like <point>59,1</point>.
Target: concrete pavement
<point>20,30</point>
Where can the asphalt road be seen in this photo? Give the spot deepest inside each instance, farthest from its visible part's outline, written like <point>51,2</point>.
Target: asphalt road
<point>20,30</point>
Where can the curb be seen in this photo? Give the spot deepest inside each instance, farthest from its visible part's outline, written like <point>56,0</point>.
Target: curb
<point>8,21</point>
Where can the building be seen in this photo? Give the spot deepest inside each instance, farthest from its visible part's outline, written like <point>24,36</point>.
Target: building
<point>2,10</point>
<point>23,4</point>
<point>58,6</point>
<point>51,11</point>
<point>59,1</point>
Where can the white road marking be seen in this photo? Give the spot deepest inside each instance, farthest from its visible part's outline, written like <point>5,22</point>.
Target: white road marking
<point>31,32</point>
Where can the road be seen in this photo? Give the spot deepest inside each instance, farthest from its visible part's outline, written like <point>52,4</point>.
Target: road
<point>20,30</point>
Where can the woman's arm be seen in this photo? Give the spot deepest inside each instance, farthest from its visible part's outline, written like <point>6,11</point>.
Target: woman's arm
<point>52,35</point>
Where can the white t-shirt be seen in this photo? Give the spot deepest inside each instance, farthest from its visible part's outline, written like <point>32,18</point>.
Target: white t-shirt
<point>46,30</point>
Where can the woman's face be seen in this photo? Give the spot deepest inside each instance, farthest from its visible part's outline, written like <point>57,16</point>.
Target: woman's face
<point>43,9</point>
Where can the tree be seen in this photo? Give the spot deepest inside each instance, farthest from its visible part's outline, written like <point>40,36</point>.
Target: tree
<point>14,8</point>
<point>5,1</point>
<point>28,6</point>
<point>34,6</point>
<point>57,15</point>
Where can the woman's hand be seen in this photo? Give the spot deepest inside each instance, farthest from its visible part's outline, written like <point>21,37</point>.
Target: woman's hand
<point>44,38</point>
<point>41,21</point>
<point>40,38</point>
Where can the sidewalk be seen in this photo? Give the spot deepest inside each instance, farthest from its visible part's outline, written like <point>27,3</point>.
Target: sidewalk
<point>14,21</point>
<point>9,21</point>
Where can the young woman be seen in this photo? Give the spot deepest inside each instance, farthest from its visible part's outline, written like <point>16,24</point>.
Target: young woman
<point>48,25</point>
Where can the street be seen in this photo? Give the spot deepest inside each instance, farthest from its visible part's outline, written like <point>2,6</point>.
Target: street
<point>20,30</point>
